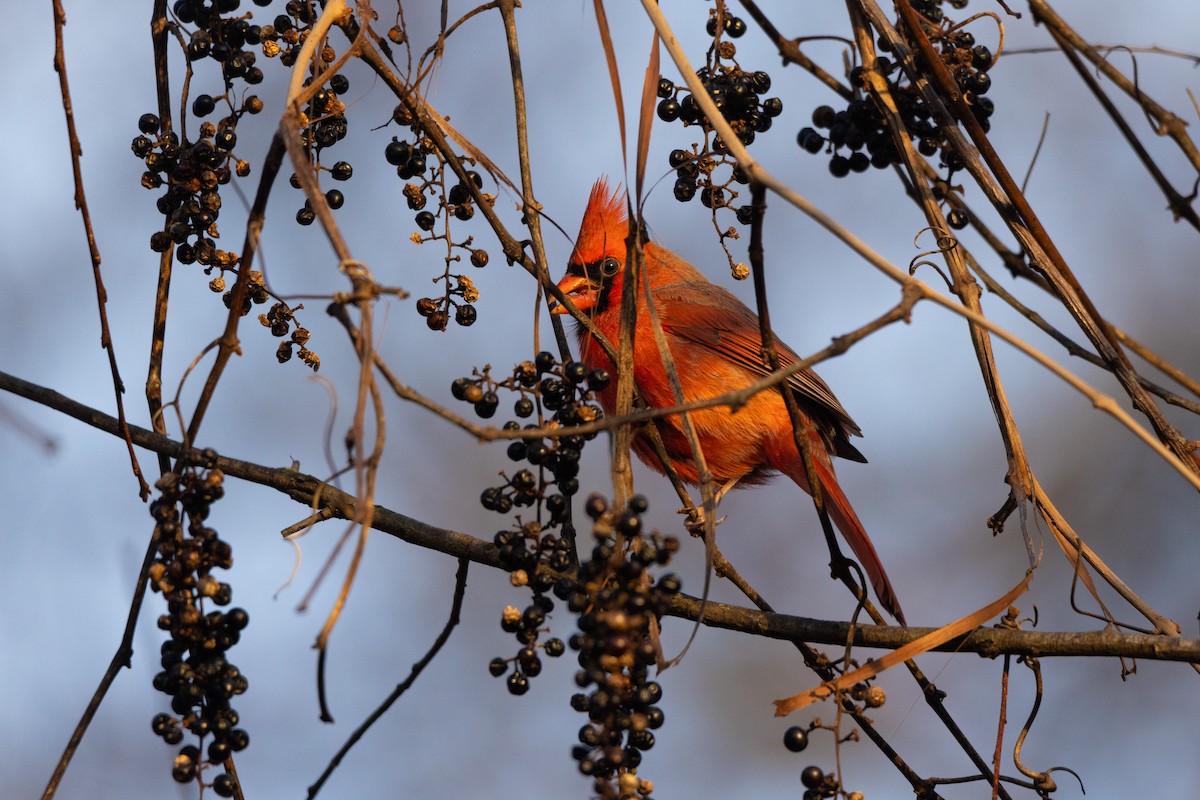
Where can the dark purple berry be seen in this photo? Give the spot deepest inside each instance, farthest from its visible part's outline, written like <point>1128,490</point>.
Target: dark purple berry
<point>668,110</point>
<point>795,739</point>
<point>203,105</point>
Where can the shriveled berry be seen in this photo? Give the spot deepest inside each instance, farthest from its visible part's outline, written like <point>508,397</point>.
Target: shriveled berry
<point>425,220</point>
<point>341,171</point>
<point>479,258</point>
<point>685,189</point>
<point>465,315</point>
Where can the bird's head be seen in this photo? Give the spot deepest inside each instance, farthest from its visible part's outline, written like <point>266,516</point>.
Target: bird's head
<point>596,262</point>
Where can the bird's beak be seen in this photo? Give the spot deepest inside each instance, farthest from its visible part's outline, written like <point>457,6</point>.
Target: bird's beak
<point>581,290</point>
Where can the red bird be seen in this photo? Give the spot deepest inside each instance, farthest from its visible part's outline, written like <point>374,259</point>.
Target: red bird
<point>717,346</point>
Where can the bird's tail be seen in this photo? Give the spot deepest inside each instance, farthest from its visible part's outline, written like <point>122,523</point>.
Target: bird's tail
<point>852,530</point>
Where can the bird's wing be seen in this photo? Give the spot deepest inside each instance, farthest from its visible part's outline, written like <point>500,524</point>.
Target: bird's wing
<point>712,317</point>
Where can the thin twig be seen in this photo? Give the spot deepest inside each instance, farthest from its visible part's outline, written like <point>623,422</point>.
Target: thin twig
<point>124,654</point>
<point>60,66</point>
<point>460,588</point>
<point>1168,124</point>
<point>1180,206</point>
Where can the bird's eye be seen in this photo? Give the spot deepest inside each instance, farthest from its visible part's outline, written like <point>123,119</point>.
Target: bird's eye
<point>609,267</point>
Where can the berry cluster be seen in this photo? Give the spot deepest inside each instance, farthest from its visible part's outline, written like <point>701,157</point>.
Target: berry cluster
<point>856,137</point>
<point>328,127</point>
<point>410,161</point>
<point>734,92</point>
<point>457,201</point>
<point>193,173</point>
<point>537,552</point>
<point>195,671</point>
<point>738,95</point>
<point>280,318</point>
<point>619,603</point>
<point>228,40</point>
<point>436,310</point>
<point>568,390</point>
<point>527,624</point>
<point>194,170</point>
<point>223,39</point>
<point>818,784</point>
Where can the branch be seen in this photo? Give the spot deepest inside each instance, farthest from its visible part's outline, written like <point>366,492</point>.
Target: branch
<point>308,490</point>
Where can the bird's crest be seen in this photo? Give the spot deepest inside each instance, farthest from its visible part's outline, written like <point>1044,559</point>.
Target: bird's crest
<point>605,226</point>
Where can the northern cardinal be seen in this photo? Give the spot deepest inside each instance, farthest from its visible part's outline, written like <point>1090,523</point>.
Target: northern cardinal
<point>716,343</point>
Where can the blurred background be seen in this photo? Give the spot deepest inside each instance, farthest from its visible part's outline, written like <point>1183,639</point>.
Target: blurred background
<point>74,532</point>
